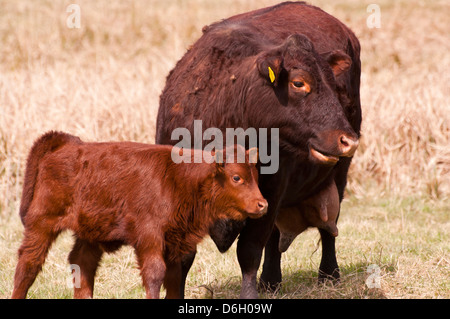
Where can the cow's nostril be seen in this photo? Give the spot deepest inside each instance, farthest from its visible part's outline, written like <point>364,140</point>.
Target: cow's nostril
<point>348,145</point>
<point>344,141</point>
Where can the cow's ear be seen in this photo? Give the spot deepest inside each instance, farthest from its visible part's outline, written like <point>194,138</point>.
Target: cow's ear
<point>339,61</point>
<point>270,67</point>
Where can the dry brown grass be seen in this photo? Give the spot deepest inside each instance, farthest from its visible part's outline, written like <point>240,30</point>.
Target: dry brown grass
<point>102,82</point>
<point>406,129</point>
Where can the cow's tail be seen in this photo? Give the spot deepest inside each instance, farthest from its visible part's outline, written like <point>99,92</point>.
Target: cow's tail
<point>47,143</point>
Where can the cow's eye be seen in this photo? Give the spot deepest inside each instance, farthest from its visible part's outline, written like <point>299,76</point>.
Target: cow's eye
<point>298,84</point>
<point>236,178</point>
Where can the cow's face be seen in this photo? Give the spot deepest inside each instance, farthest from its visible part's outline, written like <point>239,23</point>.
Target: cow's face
<point>303,101</point>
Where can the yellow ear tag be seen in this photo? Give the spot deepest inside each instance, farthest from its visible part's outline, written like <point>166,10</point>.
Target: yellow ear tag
<point>271,75</point>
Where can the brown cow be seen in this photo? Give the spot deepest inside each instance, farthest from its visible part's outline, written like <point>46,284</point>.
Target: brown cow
<point>111,194</point>
<point>290,66</point>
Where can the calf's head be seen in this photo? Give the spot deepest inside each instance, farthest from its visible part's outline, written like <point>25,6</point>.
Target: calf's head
<point>299,96</point>
<point>236,184</point>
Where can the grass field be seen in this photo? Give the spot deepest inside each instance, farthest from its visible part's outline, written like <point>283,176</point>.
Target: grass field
<point>103,80</point>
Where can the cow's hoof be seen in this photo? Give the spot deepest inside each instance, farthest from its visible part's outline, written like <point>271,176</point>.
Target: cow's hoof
<point>329,276</point>
<point>248,291</point>
<point>253,294</point>
<point>269,286</point>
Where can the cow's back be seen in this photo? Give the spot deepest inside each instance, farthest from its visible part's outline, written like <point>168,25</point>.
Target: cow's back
<point>193,87</point>
<point>278,22</point>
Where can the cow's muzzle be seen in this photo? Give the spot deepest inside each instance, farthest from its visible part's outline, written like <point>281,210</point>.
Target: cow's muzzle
<point>328,149</point>
<point>347,145</point>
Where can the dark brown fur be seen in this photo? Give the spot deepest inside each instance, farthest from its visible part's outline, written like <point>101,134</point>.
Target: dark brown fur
<point>111,194</point>
<point>320,210</point>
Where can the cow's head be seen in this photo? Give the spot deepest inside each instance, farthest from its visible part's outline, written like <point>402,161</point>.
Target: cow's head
<point>300,98</point>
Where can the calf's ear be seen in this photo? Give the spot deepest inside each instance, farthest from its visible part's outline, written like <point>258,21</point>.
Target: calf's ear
<point>270,67</point>
<point>219,158</point>
<point>252,155</point>
<point>339,61</point>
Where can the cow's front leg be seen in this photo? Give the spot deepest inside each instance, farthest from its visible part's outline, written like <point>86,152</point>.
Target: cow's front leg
<point>252,241</point>
<point>249,251</point>
<point>271,273</point>
<point>328,268</point>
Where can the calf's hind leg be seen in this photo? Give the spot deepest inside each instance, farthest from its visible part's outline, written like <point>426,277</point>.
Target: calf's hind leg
<point>32,254</point>
<point>86,256</point>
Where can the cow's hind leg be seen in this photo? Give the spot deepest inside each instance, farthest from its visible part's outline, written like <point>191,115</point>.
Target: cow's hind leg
<point>32,254</point>
<point>86,257</point>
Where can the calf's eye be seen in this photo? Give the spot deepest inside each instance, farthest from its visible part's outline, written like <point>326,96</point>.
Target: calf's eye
<point>236,178</point>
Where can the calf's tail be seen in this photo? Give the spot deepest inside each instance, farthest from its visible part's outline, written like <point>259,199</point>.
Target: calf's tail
<point>47,143</point>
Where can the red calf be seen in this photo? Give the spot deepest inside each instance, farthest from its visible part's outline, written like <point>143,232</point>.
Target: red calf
<point>111,194</point>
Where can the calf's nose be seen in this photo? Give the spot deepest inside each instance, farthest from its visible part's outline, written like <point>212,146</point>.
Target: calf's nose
<point>348,145</point>
<point>262,206</point>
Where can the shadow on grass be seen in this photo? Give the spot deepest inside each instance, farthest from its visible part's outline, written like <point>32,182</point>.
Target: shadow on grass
<point>304,284</point>
<point>357,281</point>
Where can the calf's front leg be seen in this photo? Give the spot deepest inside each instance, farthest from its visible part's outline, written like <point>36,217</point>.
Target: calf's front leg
<point>153,270</point>
<point>174,281</point>
<point>87,256</point>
